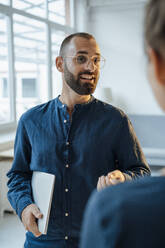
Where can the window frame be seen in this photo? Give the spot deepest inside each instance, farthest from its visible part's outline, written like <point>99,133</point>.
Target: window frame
<point>9,11</point>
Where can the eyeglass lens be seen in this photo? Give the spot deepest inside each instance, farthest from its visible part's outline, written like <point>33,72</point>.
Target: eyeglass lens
<point>82,59</point>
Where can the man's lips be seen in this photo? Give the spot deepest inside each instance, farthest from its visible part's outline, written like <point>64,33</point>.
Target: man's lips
<point>87,77</point>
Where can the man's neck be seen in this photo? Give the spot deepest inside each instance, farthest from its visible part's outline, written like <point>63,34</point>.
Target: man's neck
<point>72,99</point>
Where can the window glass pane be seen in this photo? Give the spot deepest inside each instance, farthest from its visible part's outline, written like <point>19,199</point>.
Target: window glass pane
<point>5,115</point>
<point>30,56</point>
<point>6,2</point>
<point>57,38</point>
<point>35,7</point>
<point>29,87</point>
<point>57,11</point>
<point>5,88</point>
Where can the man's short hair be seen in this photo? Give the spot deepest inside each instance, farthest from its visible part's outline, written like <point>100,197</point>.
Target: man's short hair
<point>70,37</point>
<point>155,26</point>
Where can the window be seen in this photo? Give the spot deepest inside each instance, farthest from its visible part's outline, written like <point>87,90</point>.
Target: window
<point>57,38</point>
<point>5,88</point>
<point>29,87</point>
<point>57,11</point>
<point>35,7</point>
<point>29,42</point>
<point>5,114</point>
<point>30,61</point>
<point>6,2</point>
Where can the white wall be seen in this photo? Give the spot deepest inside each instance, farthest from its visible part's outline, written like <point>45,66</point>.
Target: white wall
<point>119,32</point>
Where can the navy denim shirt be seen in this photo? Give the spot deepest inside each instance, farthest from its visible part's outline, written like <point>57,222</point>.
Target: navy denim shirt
<point>77,151</point>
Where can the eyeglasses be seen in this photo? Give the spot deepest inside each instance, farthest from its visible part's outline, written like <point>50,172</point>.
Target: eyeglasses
<point>82,59</point>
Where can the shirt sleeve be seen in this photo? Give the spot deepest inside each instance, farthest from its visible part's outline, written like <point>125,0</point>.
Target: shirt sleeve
<point>129,154</point>
<point>19,184</point>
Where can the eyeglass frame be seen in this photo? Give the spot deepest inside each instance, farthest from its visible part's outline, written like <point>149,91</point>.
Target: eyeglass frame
<point>89,57</point>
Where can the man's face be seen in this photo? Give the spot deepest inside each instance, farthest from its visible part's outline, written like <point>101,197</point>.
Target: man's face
<point>81,72</point>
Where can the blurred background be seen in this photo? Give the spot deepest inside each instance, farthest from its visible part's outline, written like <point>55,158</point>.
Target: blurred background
<point>30,36</point>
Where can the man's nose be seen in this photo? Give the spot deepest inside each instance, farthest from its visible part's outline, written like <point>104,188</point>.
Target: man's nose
<point>90,65</point>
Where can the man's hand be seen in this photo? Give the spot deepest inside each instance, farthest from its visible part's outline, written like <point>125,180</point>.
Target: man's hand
<point>29,216</point>
<point>161,172</point>
<point>112,178</point>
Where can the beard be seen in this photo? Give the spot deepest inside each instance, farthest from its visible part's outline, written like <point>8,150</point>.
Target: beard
<point>81,88</point>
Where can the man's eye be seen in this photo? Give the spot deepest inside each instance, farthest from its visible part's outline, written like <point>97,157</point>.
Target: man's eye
<point>96,60</point>
<point>81,59</point>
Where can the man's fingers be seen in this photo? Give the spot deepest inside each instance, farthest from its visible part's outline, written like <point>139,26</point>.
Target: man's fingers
<point>114,181</point>
<point>108,181</point>
<point>36,212</point>
<point>105,181</point>
<point>29,216</point>
<point>116,177</point>
<point>98,184</point>
<point>34,228</point>
<point>113,175</point>
<point>101,183</point>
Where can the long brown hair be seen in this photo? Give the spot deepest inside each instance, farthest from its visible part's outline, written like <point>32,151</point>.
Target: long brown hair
<point>154,23</point>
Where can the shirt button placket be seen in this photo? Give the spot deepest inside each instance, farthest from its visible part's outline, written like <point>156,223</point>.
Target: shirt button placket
<point>66,189</point>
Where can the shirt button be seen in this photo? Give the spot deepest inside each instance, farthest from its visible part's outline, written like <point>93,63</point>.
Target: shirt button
<point>67,143</point>
<point>65,121</point>
<point>66,214</point>
<point>67,166</point>
<point>66,190</point>
<point>66,237</point>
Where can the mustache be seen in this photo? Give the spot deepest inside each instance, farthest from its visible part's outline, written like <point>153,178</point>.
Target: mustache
<point>87,73</point>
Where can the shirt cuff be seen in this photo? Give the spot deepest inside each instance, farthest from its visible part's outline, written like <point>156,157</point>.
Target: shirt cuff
<point>127,177</point>
<point>23,203</point>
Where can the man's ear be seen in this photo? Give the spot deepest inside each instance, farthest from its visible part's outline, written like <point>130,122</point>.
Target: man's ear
<point>158,64</point>
<point>59,63</point>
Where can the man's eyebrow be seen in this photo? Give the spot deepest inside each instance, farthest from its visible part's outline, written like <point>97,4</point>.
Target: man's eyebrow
<point>82,52</point>
<point>85,52</point>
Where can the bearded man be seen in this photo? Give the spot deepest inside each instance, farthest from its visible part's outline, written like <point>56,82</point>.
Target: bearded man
<point>84,142</point>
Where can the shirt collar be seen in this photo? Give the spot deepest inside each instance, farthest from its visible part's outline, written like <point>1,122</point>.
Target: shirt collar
<point>82,105</point>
